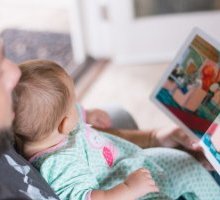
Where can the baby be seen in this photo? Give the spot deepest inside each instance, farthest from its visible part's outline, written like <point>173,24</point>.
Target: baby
<point>79,162</point>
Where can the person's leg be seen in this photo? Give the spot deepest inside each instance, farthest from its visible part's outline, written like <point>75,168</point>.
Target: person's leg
<point>121,119</point>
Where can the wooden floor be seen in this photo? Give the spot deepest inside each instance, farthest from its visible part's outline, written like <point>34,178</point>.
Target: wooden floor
<point>130,87</point>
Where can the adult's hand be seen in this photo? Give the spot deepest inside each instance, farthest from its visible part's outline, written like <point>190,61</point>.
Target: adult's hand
<point>175,137</point>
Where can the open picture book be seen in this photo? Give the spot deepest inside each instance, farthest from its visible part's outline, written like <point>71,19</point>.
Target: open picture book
<point>189,92</point>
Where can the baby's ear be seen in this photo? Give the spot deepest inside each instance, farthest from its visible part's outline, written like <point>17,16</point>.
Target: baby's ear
<point>63,127</point>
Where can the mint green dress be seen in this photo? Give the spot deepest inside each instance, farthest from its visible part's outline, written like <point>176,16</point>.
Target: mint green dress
<point>91,160</point>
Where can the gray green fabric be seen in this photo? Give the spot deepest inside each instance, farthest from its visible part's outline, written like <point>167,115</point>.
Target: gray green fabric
<point>120,118</point>
<point>20,181</point>
<point>92,160</point>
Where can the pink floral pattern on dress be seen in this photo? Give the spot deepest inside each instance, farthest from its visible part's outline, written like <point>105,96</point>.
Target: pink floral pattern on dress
<point>108,156</point>
<point>109,150</point>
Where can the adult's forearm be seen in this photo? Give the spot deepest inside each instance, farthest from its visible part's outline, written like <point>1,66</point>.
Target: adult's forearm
<point>144,139</point>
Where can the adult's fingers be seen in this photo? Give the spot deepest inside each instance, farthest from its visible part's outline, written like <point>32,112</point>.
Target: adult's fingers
<point>196,146</point>
<point>185,140</point>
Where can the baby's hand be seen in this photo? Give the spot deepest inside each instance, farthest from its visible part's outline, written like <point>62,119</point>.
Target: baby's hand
<point>98,118</point>
<point>141,183</point>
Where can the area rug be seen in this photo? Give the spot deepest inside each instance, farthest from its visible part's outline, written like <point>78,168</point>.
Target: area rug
<point>21,45</point>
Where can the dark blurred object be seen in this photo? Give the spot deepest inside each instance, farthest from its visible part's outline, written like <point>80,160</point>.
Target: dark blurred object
<point>158,7</point>
<point>21,45</point>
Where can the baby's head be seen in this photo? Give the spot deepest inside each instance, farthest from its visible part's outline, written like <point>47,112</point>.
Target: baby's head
<point>44,102</point>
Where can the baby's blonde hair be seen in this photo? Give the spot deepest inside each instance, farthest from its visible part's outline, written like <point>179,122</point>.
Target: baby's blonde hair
<point>42,96</point>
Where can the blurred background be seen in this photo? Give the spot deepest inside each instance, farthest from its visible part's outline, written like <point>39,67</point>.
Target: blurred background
<point>116,51</point>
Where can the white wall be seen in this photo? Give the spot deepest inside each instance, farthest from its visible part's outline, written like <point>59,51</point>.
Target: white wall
<point>40,15</point>
<point>135,41</point>
<point>43,3</point>
<point>158,39</point>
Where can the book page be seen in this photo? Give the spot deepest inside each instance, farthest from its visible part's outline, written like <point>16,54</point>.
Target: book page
<point>211,144</point>
<point>189,92</point>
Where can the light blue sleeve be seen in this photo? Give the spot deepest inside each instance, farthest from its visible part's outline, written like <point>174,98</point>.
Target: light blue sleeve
<point>68,176</point>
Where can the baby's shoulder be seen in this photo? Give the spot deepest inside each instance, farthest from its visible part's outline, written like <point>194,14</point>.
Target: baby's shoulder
<point>58,160</point>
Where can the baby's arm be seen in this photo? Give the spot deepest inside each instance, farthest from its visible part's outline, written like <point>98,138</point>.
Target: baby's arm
<point>98,118</point>
<point>138,184</point>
